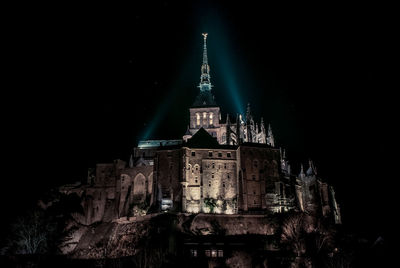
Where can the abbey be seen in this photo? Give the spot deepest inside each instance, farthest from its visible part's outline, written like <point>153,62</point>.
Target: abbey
<point>217,167</point>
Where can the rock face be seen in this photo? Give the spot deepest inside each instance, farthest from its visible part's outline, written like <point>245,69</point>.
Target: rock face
<point>125,238</point>
<point>105,240</point>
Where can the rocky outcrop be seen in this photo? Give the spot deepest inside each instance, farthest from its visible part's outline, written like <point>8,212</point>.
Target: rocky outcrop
<point>126,237</point>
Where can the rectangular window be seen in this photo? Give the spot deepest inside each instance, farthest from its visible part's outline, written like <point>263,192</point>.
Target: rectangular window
<point>209,154</point>
<point>220,253</point>
<point>193,252</point>
<point>208,253</point>
<point>219,154</point>
<point>228,154</point>
<point>193,153</point>
<point>213,253</point>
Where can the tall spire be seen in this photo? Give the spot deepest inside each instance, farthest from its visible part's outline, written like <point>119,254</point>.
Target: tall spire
<point>270,137</point>
<point>205,81</point>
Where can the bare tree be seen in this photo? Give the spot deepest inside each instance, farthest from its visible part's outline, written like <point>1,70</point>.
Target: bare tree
<point>293,233</point>
<point>31,234</point>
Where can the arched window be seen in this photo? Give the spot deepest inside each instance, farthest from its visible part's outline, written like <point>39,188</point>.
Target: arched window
<point>198,119</point>
<point>204,115</point>
<point>211,119</point>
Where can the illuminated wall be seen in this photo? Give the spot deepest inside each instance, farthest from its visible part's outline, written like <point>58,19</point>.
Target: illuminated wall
<point>210,181</point>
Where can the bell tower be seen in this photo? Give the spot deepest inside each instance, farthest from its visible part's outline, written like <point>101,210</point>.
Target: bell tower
<point>204,112</point>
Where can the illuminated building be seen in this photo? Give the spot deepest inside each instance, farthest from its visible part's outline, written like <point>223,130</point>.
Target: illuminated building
<point>216,168</point>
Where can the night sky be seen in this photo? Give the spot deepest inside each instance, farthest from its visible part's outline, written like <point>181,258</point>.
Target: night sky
<point>85,83</point>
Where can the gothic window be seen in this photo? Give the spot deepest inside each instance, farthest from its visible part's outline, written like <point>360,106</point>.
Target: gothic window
<point>198,119</point>
<point>211,118</point>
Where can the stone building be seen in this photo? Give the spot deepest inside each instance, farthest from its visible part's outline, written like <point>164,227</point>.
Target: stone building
<point>216,168</point>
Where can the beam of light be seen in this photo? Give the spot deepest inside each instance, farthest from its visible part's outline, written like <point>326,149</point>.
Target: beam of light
<point>159,115</point>
<point>223,62</point>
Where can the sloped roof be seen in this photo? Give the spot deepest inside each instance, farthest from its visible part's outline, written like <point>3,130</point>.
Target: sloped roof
<point>202,139</point>
<point>204,99</point>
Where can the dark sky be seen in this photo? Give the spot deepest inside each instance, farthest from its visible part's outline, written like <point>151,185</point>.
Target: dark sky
<point>84,84</point>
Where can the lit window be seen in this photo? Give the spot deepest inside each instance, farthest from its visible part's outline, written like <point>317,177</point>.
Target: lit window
<point>220,253</point>
<point>204,115</point>
<point>214,253</point>
<point>193,252</point>
<point>211,118</point>
<point>198,119</point>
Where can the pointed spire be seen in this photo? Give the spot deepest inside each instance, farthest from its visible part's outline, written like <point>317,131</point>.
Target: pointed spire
<point>311,169</point>
<point>270,137</point>
<point>131,162</point>
<point>248,112</point>
<point>228,121</point>
<point>205,81</point>
<point>205,59</point>
<point>262,125</point>
<point>302,175</point>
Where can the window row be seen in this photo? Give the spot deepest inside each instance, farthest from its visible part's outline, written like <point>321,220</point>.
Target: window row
<point>211,253</point>
<point>210,118</point>
<point>210,154</point>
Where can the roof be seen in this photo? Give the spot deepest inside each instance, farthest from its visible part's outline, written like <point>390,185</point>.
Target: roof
<point>204,99</point>
<point>202,139</point>
<point>157,143</point>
